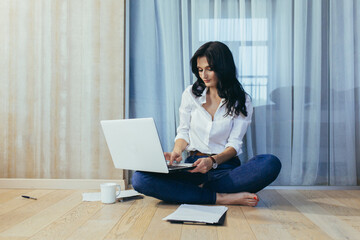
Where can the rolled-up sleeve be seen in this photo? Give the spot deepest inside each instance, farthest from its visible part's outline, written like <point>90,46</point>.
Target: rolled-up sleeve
<point>239,128</point>
<point>184,117</point>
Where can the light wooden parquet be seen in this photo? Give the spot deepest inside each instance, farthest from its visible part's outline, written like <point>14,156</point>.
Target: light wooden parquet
<point>280,214</point>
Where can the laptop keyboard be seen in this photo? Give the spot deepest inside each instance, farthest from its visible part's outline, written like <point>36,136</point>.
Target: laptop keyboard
<point>172,167</point>
<point>178,166</point>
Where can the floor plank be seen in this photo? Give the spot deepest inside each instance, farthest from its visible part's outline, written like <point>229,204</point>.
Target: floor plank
<point>3,192</point>
<point>160,229</point>
<point>299,226</point>
<point>335,202</point>
<point>263,223</point>
<point>199,232</point>
<point>135,221</point>
<point>280,214</point>
<point>333,226</point>
<point>235,226</point>
<point>35,223</point>
<point>13,238</point>
<point>339,204</point>
<point>99,225</point>
<point>70,222</point>
<point>13,200</point>
<point>350,198</point>
<point>30,207</point>
<point>355,193</point>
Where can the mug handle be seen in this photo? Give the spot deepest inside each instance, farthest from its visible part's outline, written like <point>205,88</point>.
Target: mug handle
<point>118,186</point>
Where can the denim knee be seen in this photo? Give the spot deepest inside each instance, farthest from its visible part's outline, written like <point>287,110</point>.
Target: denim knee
<point>138,181</point>
<point>274,164</point>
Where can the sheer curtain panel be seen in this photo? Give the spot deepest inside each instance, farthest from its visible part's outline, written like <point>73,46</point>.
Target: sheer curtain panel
<point>299,61</point>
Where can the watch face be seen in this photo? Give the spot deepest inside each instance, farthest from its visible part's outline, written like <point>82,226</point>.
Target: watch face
<point>215,165</point>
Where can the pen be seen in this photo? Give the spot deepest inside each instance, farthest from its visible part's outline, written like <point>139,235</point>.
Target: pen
<point>29,197</point>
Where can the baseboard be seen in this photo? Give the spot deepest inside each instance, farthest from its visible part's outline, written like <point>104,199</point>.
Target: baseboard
<point>95,184</point>
<point>56,183</point>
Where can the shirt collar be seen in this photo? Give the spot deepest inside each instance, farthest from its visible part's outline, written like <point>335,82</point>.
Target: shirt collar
<point>202,98</point>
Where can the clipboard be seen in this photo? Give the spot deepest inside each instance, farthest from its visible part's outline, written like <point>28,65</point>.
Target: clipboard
<point>219,223</point>
<point>198,214</point>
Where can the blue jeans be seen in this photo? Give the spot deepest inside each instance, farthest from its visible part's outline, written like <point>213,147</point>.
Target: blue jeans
<point>183,187</point>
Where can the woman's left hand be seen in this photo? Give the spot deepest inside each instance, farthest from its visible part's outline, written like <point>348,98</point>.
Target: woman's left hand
<point>203,165</point>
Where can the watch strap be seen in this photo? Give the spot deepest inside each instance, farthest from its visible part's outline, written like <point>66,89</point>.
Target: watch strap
<point>215,164</point>
<point>213,159</point>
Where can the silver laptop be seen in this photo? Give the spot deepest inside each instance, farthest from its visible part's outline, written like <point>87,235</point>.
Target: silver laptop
<point>134,144</point>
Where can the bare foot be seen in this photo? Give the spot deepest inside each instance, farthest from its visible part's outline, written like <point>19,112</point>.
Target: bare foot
<point>241,198</point>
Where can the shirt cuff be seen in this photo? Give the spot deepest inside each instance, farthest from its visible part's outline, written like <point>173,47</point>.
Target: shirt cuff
<point>237,147</point>
<point>182,136</point>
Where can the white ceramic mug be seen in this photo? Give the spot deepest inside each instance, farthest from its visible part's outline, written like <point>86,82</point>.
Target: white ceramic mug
<point>108,192</point>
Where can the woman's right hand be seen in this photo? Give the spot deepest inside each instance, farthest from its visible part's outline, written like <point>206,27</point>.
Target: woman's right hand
<point>173,156</point>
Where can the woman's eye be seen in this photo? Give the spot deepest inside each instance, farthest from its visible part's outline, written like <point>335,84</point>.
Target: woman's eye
<point>200,70</point>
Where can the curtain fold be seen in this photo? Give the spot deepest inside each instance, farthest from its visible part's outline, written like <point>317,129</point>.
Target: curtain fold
<point>344,92</point>
<point>158,64</point>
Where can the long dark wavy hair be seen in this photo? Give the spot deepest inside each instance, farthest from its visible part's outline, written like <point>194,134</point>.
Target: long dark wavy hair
<point>221,61</point>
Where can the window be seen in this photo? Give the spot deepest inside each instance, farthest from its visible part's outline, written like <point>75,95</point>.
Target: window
<point>251,39</point>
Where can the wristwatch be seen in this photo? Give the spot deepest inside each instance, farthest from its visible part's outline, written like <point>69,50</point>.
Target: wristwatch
<point>215,165</point>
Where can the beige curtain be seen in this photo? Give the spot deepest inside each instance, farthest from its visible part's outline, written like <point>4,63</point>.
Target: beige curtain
<point>61,72</point>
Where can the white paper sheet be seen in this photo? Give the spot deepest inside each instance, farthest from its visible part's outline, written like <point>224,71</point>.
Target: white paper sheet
<point>197,213</point>
<point>96,196</point>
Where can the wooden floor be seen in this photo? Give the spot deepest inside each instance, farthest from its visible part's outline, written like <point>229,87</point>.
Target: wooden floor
<point>280,214</point>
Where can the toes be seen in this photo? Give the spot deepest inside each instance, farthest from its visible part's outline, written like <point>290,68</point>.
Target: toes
<point>255,197</point>
<point>252,196</point>
<point>252,204</point>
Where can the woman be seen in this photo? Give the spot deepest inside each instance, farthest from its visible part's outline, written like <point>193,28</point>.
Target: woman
<point>215,113</point>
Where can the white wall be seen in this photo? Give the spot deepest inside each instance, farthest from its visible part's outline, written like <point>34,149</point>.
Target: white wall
<point>61,72</point>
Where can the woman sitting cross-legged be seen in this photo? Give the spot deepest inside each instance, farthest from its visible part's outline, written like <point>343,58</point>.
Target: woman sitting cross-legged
<point>215,113</point>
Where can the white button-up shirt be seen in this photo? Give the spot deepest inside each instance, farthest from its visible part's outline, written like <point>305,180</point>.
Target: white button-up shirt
<point>206,135</point>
